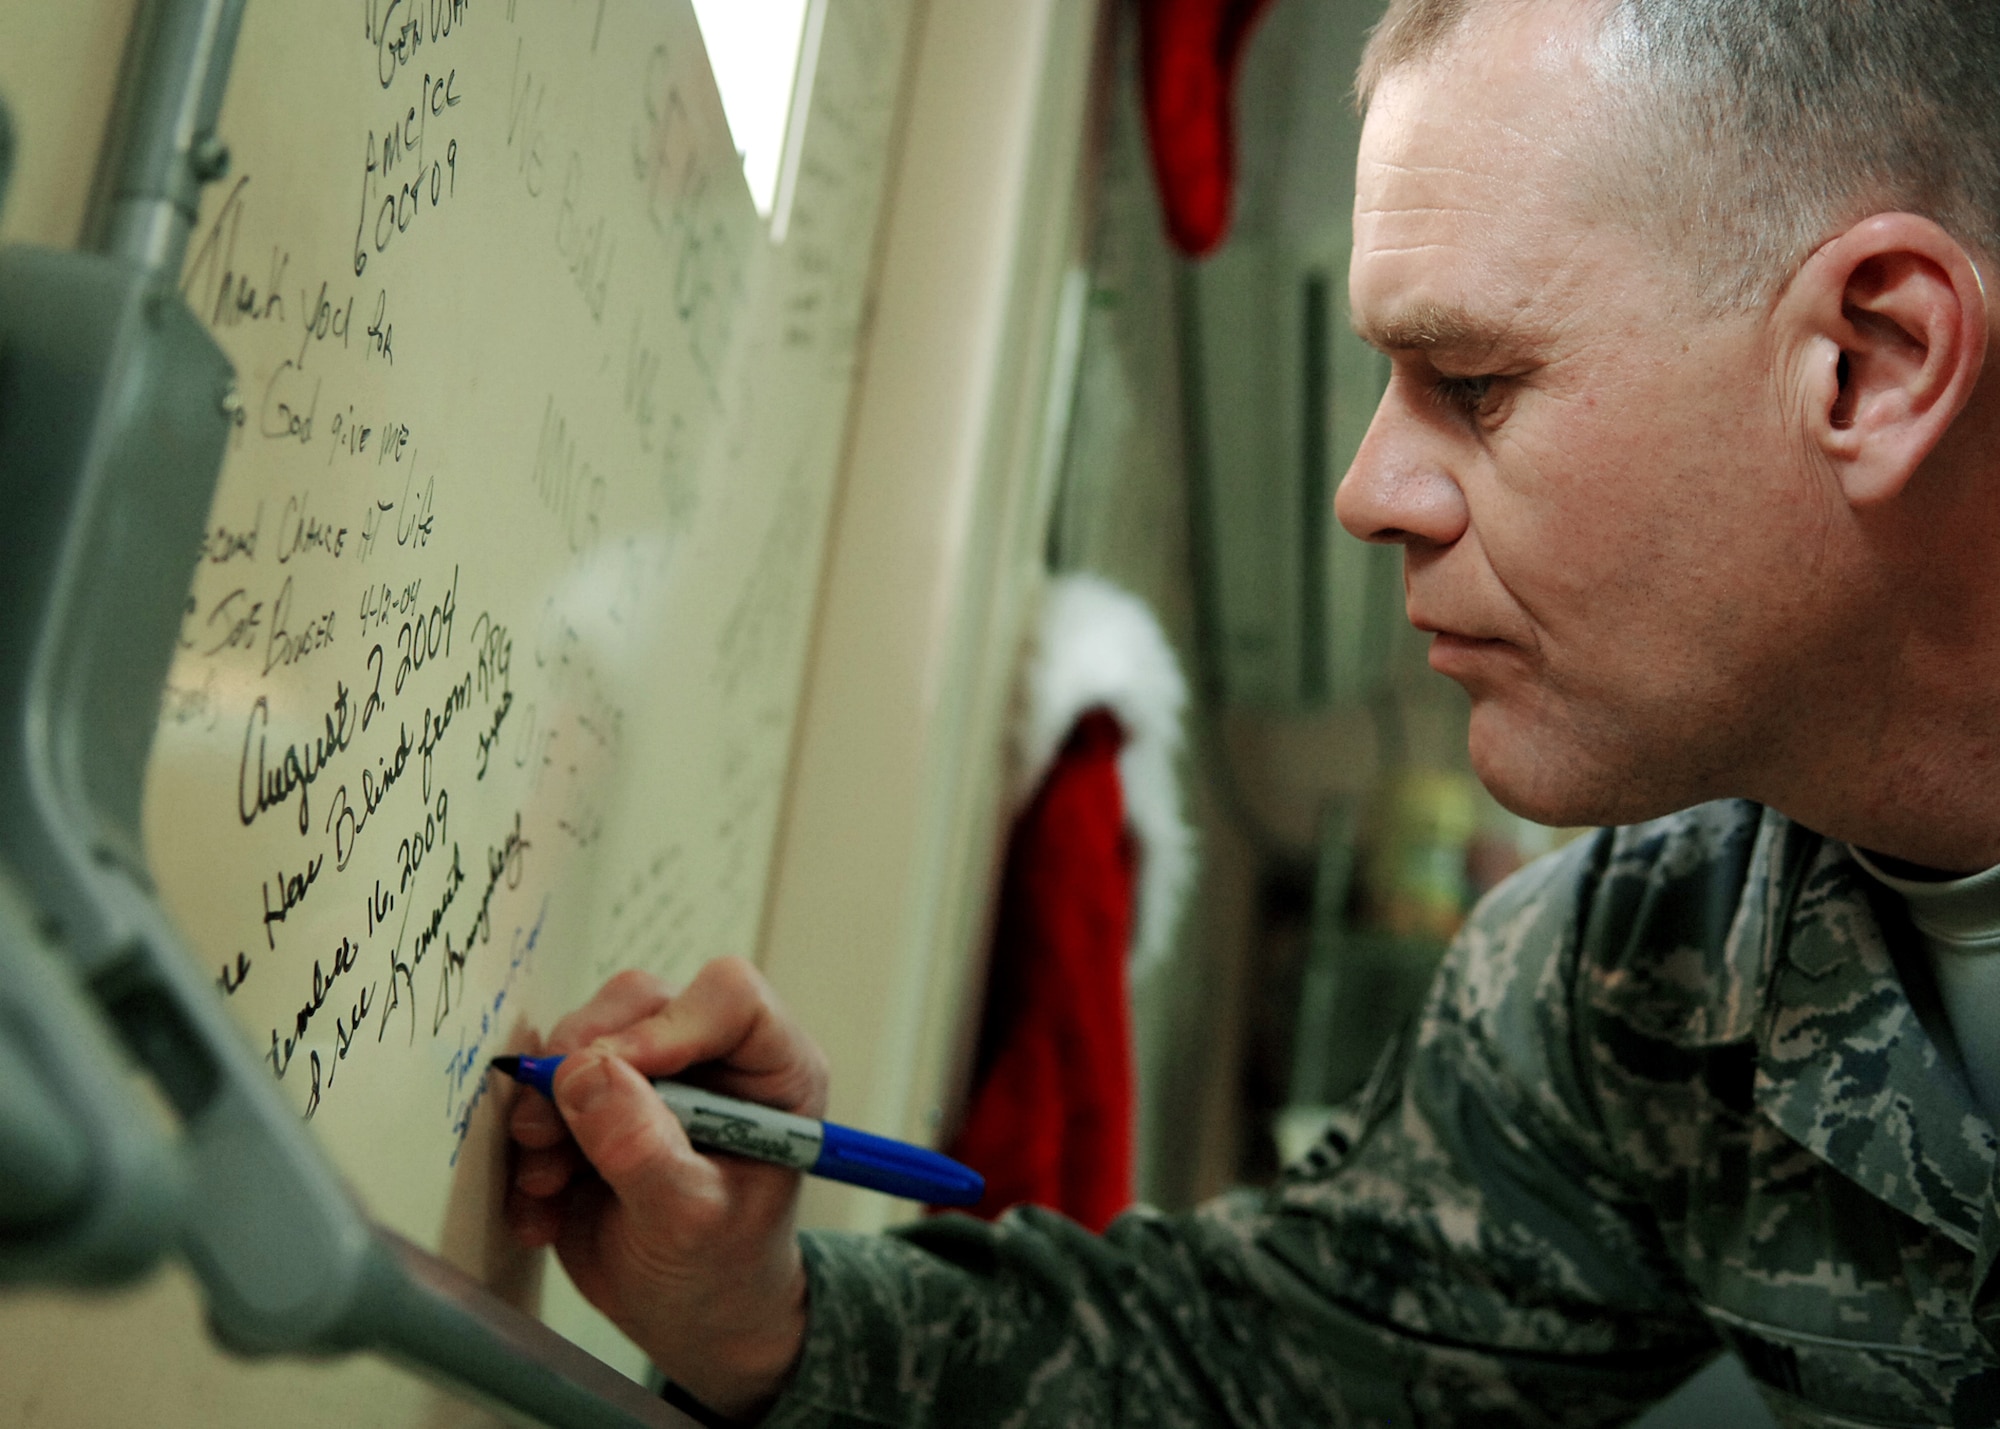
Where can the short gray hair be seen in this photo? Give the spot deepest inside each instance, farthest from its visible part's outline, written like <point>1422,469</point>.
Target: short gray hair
<point>1747,132</point>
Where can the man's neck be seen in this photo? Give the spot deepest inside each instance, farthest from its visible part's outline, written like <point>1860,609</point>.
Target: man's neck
<point>1908,765</point>
<point>1892,739</point>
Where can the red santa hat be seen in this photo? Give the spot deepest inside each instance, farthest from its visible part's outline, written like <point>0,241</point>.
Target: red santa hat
<point>1097,862</point>
<point>1190,51</point>
<point>1095,646</point>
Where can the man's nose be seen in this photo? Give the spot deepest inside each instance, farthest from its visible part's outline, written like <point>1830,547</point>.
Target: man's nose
<point>1400,490</point>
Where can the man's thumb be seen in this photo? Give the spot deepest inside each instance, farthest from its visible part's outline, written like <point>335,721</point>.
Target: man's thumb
<point>621,1125</point>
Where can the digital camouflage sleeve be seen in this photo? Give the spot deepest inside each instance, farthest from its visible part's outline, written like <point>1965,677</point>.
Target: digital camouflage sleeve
<point>1668,1093</point>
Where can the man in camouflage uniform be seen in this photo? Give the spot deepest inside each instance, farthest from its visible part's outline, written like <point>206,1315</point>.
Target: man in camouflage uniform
<point>1692,451</point>
<point>1667,1088</point>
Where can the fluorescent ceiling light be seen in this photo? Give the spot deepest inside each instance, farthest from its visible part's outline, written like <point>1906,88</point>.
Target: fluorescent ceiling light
<point>763,53</point>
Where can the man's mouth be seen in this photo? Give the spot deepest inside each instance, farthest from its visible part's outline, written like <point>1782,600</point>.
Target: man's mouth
<point>1458,653</point>
<point>1439,630</point>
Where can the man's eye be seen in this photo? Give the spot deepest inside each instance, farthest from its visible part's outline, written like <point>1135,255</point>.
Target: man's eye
<point>1465,396</point>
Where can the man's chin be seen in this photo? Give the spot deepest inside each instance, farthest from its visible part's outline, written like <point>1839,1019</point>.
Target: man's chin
<point>1541,777</point>
<point>1533,800</point>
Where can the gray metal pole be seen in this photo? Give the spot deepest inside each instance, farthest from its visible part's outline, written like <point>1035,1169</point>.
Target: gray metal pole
<point>163,146</point>
<point>6,154</point>
<point>434,1319</point>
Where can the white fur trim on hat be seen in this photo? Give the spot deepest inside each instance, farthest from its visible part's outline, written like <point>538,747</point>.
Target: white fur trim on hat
<point>1096,646</point>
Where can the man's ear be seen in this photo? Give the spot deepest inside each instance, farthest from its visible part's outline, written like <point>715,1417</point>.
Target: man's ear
<point>1888,326</point>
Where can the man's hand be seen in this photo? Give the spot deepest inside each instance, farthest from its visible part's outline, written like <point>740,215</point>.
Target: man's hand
<point>693,1257</point>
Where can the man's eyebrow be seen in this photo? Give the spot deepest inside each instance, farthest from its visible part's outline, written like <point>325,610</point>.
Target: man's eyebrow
<point>1427,327</point>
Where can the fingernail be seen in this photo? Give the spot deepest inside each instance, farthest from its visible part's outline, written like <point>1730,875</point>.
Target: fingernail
<point>582,1090</point>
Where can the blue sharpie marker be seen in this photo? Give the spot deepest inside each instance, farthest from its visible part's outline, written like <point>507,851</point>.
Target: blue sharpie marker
<point>819,1148</point>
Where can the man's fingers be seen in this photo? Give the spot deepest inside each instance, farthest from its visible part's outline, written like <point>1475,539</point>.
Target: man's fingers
<point>534,1121</point>
<point>729,1016</point>
<point>627,998</point>
<point>713,1019</point>
<point>626,1132</point>
<point>544,1172</point>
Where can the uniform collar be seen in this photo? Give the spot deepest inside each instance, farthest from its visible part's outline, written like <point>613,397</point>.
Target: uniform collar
<point>1844,1065</point>
<point>1959,913</point>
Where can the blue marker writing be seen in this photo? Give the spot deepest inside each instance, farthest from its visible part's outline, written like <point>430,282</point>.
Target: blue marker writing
<point>819,1148</point>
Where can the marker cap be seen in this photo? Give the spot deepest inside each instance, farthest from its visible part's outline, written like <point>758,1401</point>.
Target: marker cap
<point>901,1170</point>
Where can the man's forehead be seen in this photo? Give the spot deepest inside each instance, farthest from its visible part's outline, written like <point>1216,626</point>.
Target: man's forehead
<point>1478,125</point>
<point>1465,194</point>
<point>1460,262</point>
